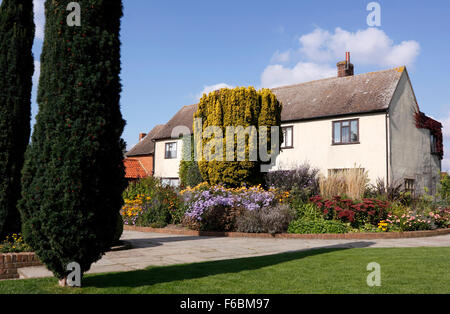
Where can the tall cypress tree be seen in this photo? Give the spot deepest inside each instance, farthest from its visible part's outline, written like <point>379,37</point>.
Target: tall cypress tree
<point>16,71</point>
<point>73,176</point>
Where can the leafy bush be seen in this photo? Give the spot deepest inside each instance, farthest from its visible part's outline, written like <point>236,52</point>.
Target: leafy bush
<point>356,213</point>
<point>14,244</point>
<point>444,190</point>
<point>317,227</point>
<point>304,178</point>
<point>352,183</point>
<point>415,221</point>
<point>239,107</point>
<point>308,211</point>
<point>150,204</point>
<point>266,220</point>
<point>145,186</point>
<point>216,208</point>
<point>190,175</point>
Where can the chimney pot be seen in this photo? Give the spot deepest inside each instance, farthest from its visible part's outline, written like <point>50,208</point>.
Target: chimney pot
<point>141,136</point>
<point>345,68</point>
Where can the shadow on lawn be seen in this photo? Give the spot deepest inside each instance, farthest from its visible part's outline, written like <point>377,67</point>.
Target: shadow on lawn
<point>156,275</point>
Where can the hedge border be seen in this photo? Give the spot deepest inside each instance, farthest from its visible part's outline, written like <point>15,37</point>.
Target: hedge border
<point>359,236</point>
<point>11,262</point>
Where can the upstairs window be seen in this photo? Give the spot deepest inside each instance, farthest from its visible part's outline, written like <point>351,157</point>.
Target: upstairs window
<point>287,137</point>
<point>434,148</point>
<point>346,132</point>
<point>171,150</point>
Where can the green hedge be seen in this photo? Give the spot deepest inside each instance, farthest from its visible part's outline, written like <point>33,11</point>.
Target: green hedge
<point>317,227</point>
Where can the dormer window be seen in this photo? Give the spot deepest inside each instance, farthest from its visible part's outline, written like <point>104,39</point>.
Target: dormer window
<point>346,132</point>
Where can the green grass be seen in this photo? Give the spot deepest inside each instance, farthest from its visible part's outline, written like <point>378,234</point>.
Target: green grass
<point>405,270</point>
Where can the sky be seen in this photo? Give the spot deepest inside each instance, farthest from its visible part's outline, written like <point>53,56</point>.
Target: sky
<point>173,51</point>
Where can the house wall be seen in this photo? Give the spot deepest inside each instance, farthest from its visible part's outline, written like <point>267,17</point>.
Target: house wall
<point>313,144</point>
<point>167,168</point>
<point>411,156</point>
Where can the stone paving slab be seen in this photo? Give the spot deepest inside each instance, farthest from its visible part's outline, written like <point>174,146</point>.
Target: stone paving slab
<point>155,249</point>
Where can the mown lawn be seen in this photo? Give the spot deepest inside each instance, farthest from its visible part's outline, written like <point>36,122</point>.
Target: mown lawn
<point>405,270</point>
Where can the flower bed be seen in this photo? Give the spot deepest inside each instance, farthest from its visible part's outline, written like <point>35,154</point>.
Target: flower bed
<point>256,210</point>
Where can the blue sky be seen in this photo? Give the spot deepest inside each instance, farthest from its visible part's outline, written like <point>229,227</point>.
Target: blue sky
<point>174,50</point>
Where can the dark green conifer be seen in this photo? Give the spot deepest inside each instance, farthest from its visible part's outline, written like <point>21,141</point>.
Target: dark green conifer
<point>16,71</point>
<point>73,176</point>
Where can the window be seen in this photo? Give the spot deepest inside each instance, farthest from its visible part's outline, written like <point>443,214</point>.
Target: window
<point>346,132</point>
<point>171,150</point>
<point>434,148</point>
<point>170,182</point>
<point>287,137</point>
<point>409,185</point>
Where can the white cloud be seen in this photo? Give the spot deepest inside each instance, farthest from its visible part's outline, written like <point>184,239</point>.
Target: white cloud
<point>446,133</point>
<point>320,50</point>
<point>39,18</point>
<point>37,72</point>
<point>371,46</point>
<point>446,125</point>
<point>278,75</point>
<point>210,88</point>
<point>281,57</point>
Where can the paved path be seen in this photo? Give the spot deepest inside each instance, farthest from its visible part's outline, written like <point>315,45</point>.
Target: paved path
<point>154,249</point>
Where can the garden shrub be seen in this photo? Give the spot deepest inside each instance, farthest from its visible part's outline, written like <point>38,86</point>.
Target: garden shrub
<point>348,211</point>
<point>266,220</point>
<point>16,71</point>
<point>320,226</point>
<point>216,208</point>
<point>157,206</point>
<point>74,177</point>
<point>444,190</point>
<point>303,179</point>
<point>352,183</point>
<point>308,211</point>
<point>239,107</point>
<point>14,244</point>
<point>189,172</point>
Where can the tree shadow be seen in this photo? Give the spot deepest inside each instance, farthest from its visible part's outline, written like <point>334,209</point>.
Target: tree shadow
<point>165,274</point>
<point>153,242</point>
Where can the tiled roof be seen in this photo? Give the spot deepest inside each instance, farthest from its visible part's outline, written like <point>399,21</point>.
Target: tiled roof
<point>337,96</point>
<point>146,146</point>
<point>134,169</point>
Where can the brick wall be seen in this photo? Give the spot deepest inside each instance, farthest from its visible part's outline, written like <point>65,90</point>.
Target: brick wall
<point>11,262</point>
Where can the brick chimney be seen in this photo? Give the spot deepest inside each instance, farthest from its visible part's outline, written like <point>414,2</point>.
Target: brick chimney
<point>345,68</point>
<point>141,136</point>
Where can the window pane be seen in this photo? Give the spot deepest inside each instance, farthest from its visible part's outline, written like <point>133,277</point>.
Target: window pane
<point>289,137</point>
<point>354,130</point>
<point>345,135</point>
<point>337,132</point>
<point>346,123</point>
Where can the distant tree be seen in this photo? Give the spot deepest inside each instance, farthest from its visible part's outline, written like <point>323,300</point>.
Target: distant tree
<point>239,107</point>
<point>16,71</point>
<point>73,177</point>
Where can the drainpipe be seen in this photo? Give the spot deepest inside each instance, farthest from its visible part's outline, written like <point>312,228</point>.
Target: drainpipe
<point>388,150</point>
